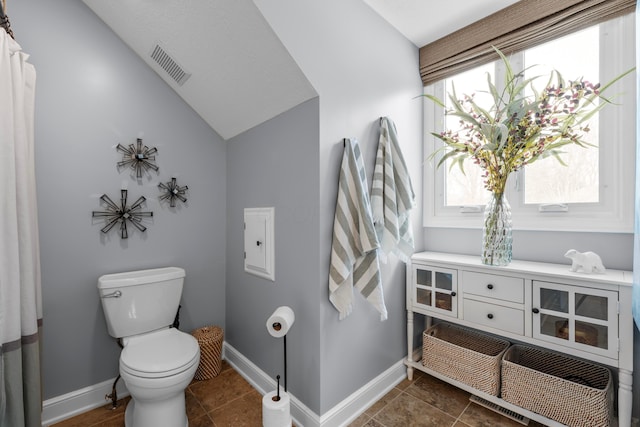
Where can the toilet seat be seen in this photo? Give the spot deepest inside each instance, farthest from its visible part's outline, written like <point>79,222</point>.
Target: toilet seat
<point>159,354</point>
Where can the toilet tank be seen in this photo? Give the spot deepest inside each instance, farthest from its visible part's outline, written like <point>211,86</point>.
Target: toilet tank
<point>140,301</point>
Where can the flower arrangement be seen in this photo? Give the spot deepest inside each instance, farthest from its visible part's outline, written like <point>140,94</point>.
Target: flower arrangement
<point>521,126</point>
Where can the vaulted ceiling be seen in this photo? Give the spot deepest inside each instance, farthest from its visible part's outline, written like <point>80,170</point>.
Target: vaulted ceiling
<point>225,61</point>
<point>423,21</point>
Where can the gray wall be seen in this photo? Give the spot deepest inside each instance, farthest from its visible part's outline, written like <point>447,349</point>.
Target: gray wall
<point>362,69</point>
<point>92,93</point>
<point>276,165</point>
<point>615,249</point>
<point>357,66</point>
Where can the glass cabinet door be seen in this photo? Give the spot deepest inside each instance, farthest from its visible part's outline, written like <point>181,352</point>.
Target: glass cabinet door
<point>577,317</point>
<point>435,289</point>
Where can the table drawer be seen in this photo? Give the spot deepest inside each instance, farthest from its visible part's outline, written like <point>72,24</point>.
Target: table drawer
<point>494,316</point>
<point>489,285</point>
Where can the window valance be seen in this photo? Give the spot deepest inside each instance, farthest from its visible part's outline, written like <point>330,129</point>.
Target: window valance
<point>517,27</point>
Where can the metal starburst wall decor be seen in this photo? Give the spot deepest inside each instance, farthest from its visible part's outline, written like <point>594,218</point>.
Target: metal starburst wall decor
<point>172,191</point>
<point>140,158</point>
<point>122,214</point>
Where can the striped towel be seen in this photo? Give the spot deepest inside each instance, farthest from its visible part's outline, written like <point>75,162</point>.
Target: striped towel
<point>392,196</point>
<point>354,251</point>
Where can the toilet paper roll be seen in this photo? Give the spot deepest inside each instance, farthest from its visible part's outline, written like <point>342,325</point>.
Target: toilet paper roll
<point>279,323</point>
<point>276,413</point>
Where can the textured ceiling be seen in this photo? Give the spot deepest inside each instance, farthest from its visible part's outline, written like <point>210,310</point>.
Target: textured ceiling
<point>241,74</point>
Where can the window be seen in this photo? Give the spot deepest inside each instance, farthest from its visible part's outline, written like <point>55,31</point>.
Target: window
<point>595,191</point>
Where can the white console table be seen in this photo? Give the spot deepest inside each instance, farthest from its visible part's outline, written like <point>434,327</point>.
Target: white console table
<point>547,305</point>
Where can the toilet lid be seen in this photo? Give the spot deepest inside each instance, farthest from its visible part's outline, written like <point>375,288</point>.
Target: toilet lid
<point>161,353</point>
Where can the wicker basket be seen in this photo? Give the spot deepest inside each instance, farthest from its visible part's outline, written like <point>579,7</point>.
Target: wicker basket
<point>584,334</point>
<point>565,389</point>
<point>464,355</point>
<point>210,341</point>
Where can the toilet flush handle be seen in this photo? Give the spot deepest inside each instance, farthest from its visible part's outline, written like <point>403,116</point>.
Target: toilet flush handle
<point>116,294</point>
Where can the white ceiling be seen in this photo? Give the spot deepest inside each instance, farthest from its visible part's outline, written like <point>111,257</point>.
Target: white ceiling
<point>424,21</point>
<point>241,74</point>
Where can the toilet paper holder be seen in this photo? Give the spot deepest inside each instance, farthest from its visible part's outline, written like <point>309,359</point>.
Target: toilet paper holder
<point>278,325</point>
<point>276,398</point>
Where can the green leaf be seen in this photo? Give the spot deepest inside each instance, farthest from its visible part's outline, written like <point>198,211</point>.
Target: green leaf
<point>446,156</point>
<point>435,99</point>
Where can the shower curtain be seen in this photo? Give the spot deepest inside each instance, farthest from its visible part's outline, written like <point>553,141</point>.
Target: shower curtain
<point>636,236</point>
<point>20,297</point>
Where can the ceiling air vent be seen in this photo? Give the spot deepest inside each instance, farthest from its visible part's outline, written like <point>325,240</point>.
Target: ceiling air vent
<point>168,64</point>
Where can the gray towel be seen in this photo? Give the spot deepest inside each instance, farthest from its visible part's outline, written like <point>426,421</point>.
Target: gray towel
<point>392,196</point>
<point>354,252</point>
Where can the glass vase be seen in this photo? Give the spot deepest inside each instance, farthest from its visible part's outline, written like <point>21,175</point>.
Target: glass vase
<point>497,231</point>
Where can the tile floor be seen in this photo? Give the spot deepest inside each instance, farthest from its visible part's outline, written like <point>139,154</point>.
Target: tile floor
<point>228,400</point>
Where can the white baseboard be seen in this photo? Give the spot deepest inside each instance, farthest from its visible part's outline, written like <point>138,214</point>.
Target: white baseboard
<point>71,404</point>
<point>76,402</point>
<point>350,408</point>
<point>340,415</point>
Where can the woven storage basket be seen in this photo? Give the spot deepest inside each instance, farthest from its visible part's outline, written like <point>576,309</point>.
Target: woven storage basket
<point>464,355</point>
<point>584,334</point>
<point>210,341</point>
<point>565,389</point>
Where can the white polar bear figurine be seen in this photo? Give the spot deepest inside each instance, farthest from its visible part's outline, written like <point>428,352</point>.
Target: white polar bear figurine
<point>589,262</point>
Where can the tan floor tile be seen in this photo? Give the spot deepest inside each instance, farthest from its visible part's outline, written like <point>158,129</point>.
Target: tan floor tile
<point>228,400</point>
<point>376,407</point>
<point>406,382</point>
<point>372,423</point>
<point>479,416</point>
<point>203,421</point>
<point>194,408</point>
<point>245,411</point>
<point>114,422</point>
<point>408,411</point>
<point>225,366</point>
<point>360,421</point>
<point>443,396</point>
<point>218,391</point>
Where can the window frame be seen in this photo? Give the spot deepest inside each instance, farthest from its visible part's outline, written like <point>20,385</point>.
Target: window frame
<point>614,212</point>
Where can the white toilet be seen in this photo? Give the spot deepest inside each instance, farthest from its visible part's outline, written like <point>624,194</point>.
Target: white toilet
<point>157,362</point>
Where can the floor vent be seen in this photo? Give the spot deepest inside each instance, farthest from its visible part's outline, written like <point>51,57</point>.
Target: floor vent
<point>500,410</point>
<point>168,64</point>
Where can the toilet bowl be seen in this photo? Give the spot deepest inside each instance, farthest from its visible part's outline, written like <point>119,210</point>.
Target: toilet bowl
<point>156,368</point>
<point>157,362</point>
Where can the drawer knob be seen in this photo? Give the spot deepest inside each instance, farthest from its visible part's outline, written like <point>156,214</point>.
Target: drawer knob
<point>453,294</point>
<point>536,311</point>
<point>490,316</point>
<point>489,286</point>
